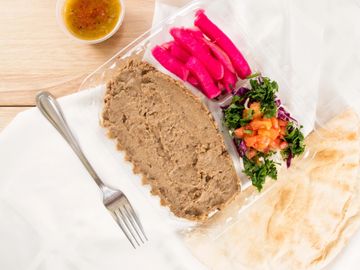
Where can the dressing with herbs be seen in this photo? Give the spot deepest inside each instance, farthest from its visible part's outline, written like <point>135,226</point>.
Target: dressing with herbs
<point>91,19</point>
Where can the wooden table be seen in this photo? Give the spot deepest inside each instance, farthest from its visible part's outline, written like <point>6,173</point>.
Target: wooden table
<point>36,55</point>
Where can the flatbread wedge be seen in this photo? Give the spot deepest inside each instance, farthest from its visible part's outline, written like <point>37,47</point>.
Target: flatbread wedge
<point>303,220</point>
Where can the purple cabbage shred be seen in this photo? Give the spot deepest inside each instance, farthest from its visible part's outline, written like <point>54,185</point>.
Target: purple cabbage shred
<point>241,91</point>
<point>284,115</point>
<point>288,160</point>
<point>278,102</point>
<point>240,147</point>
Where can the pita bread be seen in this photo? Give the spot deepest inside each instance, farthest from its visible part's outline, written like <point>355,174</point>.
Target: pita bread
<point>303,220</point>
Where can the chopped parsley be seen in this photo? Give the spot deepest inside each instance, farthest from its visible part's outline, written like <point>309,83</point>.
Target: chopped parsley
<point>233,115</point>
<point>295,139</point>
<point>264,90</point>
<point>254,75</point>
<point>258,170</point>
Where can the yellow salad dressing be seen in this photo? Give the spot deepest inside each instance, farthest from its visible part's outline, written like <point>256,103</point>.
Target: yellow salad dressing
<point>91,19</point>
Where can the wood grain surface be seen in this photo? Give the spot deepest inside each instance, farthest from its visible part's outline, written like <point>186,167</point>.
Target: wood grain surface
<point>36,55</point>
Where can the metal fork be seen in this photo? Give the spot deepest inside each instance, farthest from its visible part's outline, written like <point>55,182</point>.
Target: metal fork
<point>114,200</point>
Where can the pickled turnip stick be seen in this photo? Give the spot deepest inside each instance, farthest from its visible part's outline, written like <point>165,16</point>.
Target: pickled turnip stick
<point>199,49</point>
<point>207,84</point>
<point>223,41</point>
<point>170,62</point>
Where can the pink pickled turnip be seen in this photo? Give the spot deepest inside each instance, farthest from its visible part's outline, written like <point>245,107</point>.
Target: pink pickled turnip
<point>207,84</point>
<point>224,42</point>
<point>229,80</point>
<point>200,50</point>
<point>216,50</point>
<point>193,81</point>
<point>220,55</point>
<point>170,63</point>
<point>220,86</point>
<point>168,45</point>
<point>177,51</point>
<point>195,32</point>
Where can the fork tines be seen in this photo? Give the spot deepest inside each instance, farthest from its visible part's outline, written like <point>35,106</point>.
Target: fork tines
<point>130,225</point>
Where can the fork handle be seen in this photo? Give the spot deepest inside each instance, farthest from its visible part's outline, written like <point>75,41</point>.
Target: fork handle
<point>51,109</point>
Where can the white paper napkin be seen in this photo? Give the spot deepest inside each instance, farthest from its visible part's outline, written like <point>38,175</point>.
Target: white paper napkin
<point>51,215</point>
<point>50,210</point>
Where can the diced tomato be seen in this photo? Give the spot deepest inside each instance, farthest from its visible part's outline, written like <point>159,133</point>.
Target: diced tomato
<point>275,144</point>
<point>274,133</point>
<point>282,123</point>
<point>271,133</point>
<point>243,132</point>
<point>254,133</point>
<point>262,143</point>
<point>258,124</point>
<point>248,127</point>
<point>283,145</point>
<point>275,122</point>
<point>282,131</point>
<point>267,123</point>
<point>255,106</point>
<point>261,134</point>
<point>264,132</point>
<point>239,132</point>
<point>250,141</point>
<point>250,153</point>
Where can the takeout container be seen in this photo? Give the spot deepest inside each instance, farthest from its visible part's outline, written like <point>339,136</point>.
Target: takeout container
<point>159,34</point>
<point>260,56</point>
<point>61,23</point>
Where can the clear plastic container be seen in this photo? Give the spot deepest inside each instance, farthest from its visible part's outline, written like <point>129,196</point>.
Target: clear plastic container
<point>160,34</point>
<point>258,54</point>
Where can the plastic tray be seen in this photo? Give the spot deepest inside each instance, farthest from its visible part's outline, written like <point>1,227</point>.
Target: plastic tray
<point>257,54</point>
